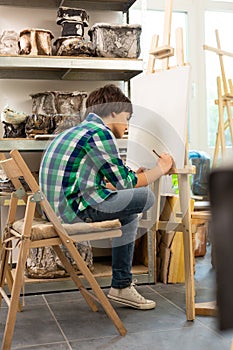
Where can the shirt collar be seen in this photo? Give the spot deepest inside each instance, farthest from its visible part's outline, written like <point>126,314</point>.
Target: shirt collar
<point>94,117</point>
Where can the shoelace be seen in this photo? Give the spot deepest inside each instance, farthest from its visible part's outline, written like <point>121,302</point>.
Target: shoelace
<point>135,292</point>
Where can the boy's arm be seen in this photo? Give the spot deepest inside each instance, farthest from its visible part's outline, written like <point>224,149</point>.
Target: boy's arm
<point>146,177</point>
<point>165,163</point>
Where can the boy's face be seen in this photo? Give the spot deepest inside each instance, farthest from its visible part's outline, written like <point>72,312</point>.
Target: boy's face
<point>120,123</point>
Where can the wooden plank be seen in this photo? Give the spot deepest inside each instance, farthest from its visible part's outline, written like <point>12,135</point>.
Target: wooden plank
<point>201,215</point>
<point>206,309</point>
<point>176,266</point>
<point>165,255</point>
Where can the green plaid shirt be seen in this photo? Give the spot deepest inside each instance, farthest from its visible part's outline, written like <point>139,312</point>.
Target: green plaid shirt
<point>77,163</point>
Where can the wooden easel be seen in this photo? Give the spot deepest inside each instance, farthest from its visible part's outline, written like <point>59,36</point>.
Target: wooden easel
<point>224,102</point>
<point>164,52</point>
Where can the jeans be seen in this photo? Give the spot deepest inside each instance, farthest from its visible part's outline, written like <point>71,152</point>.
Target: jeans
<point>123,205</point>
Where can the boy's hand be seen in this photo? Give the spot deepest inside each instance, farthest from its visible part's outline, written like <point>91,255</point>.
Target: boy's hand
<point>165,162</point>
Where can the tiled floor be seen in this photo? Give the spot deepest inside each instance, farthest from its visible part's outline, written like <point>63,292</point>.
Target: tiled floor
<point>62,321</point>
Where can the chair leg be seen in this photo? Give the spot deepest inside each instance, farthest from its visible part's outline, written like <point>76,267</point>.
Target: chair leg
<point>95,287</point>
<point>15,295</point>
<point>75,278</point>
<point>6,275</point>
<point>5,271</point>
<point>4,263</point>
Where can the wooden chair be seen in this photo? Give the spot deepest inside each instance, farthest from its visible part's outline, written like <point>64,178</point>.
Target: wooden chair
<point>32,232</point>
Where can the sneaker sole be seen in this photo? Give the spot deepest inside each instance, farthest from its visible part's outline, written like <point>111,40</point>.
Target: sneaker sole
<point>132,304</point>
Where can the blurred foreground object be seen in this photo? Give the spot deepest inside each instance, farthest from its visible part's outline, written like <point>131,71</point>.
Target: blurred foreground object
<point>221,199</point>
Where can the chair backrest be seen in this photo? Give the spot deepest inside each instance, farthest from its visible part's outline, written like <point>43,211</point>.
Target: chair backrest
<point>17,170</point>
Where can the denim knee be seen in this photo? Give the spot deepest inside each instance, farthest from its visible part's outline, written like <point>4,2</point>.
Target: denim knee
<point>150,199</point>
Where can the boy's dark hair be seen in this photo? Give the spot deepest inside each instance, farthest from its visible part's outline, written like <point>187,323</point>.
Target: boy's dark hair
<point>108,99</point>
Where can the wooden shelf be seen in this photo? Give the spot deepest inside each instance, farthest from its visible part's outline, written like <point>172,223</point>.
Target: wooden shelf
<point>23,145</point>
<point>113,5</point>
<point>67,68</point>
<point>103,269</point>
<point>102,272</point>
<point>32,145</point>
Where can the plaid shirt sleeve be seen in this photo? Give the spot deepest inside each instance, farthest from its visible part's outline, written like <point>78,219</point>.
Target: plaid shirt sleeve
<point>103,152</point>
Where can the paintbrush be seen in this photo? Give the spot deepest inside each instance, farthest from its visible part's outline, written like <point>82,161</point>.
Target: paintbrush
<point>156,153</point>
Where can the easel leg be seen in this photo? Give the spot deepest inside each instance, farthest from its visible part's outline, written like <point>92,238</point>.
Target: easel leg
<point>167,30</point>
<point>216,150</point>
<point>184,194</point>
<point>221,118</point>
<point>229,119</point>
<point>220,140</point>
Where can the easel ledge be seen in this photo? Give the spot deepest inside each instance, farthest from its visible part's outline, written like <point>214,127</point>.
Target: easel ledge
<point>188,169</point>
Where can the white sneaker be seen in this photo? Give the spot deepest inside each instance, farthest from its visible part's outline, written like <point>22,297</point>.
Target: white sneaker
<point>130,297</point>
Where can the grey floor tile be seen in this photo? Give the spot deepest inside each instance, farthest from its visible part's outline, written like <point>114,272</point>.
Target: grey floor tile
<point>77,320</point>
<point>193,338</point>
<point>165,316</point>
<point>49,346</point>
<point>35,325</point>
<point>175,294</point>
<point>64,297</point>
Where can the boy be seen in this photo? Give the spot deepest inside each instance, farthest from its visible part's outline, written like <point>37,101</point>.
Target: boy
<point>84,178</point>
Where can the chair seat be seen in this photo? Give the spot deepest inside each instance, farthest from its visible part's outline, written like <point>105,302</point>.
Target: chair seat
<point>42,229</point>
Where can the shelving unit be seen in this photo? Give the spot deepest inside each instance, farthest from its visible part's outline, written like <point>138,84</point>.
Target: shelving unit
<point>73,69</point>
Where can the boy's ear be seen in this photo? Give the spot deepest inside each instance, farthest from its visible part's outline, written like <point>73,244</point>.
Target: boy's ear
<point>113,114</point>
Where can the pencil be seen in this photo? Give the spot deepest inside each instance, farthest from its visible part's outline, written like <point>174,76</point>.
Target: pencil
<point>156,153</point>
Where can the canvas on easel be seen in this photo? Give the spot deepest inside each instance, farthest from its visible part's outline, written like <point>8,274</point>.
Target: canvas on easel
<point>159,122</point>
